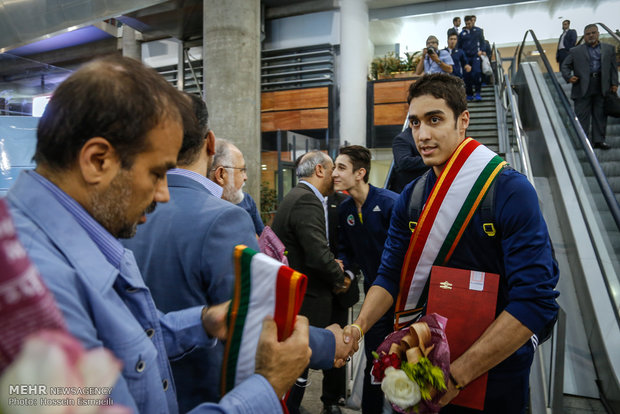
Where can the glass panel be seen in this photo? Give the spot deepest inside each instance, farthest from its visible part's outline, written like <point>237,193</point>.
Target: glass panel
<point>22,80</point>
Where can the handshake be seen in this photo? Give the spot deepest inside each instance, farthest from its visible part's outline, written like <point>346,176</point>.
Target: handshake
<point>281,362</point>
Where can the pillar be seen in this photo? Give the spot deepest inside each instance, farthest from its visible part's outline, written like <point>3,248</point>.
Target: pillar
<point>231,42</point>
<point>131,44</point>
<point>353,70</point>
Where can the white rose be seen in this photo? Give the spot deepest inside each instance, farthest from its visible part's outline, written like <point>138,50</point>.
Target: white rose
<point>399,389</point>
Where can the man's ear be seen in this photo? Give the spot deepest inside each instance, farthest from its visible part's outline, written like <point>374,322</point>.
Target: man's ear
<point>210,138</point>
<point>319,171</point>
<point>218,176</point>
<point>360,173</point>
<point>463,122</point>
<point>98,161</point>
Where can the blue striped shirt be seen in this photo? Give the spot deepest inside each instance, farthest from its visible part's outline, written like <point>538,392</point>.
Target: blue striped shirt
<point>110,246</point>
<point>211,187</point>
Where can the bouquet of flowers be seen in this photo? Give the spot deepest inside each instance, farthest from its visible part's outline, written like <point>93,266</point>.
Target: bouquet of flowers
<point>412,365</point>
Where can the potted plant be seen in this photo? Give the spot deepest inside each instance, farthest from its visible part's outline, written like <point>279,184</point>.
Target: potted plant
<point>391,66</point>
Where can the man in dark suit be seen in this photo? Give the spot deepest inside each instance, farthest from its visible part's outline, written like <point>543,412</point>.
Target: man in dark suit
<point>300,223</point>
<point>407,161</point>
<point>568,39</point>
<point>591,68</point>
<point>456,26</point>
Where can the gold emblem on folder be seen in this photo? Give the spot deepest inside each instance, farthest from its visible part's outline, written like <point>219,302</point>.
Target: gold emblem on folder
<point>445,285</point>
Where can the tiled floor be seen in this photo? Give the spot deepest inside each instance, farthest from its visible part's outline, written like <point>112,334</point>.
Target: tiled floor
<point>311,403</point>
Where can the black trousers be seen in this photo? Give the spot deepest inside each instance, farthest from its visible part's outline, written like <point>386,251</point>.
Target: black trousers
<point>334,380</point>
<point>562,54</point>
<point>589,110</point>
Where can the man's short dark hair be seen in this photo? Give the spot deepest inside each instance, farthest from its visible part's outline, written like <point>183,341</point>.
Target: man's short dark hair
<point>455,19</point>
<point>452,32</point>
<point>359,156</point>
<point>116,98</point>
<point>468,18</point>
<point>441,86</point>
<point>589,26</point>
<point>566,21</point>
<point>193,138</point>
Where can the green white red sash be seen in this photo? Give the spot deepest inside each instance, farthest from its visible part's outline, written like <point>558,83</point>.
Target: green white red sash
<point>455,197</point>
<point>263,287</point>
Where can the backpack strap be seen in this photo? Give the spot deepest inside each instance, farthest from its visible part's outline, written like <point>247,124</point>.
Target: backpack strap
<point>487,208</point>
<point>416,201</point>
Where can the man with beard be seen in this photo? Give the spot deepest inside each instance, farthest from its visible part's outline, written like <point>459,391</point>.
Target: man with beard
<point>104,144</point>
<point>228,170</point>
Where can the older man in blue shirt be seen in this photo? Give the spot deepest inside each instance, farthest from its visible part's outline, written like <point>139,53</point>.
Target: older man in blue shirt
<point>105,142</point>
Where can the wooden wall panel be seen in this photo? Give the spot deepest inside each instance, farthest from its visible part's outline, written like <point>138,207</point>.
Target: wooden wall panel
<point>267,122</point>
<point>391,92</point>
<point>295,120</point>
<point>390,114</point>
<point>295,99</point>
<point>266,101</point>
<point>314,119</point>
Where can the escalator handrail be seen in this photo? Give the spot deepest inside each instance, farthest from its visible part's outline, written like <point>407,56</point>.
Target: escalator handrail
<point>505,88</point>
<point>606,190</point>
<point>613,34</point>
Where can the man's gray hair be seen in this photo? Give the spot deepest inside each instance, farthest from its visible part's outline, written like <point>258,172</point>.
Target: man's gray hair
<point>309,161</point>
<point>223,154</point>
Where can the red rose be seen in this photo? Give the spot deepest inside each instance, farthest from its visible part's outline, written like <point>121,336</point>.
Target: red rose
<point>380,364</point>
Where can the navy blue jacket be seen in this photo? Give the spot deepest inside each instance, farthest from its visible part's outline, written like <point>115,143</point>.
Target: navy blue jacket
<point>361,242</point>
<point>249,205</point>
<point>471,41</point>
<point>460,60</point>
<point>408,163</point>
<point>570,39</point>
<point>520,253</point>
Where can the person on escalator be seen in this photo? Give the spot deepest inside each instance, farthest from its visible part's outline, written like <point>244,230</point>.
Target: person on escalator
<point>591,69</point>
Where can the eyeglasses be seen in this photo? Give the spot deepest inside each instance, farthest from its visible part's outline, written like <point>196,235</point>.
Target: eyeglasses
<point>243,170</point>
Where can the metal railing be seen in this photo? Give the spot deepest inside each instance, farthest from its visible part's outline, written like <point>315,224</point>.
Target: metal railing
<point>601,179</point>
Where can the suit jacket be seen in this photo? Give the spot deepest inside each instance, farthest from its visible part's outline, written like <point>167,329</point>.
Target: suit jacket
<point>578,63</point>
<point>408,163</point>
<point>185,254</point>
<point>350,297</point>
<point>300,225</point>
<point>570,39</point>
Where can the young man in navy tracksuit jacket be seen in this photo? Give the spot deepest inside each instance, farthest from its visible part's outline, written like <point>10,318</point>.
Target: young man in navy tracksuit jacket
<point>471,41</point>
<point>364,219</point>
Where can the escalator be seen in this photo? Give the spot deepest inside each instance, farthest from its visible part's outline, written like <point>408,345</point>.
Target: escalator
<point>578,188</point>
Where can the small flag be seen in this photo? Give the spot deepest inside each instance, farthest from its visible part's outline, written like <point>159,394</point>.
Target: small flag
<point>263,286</point>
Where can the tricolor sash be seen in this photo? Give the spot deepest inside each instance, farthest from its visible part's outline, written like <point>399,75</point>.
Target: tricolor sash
<point>456,195</point>
<point>263,286</point>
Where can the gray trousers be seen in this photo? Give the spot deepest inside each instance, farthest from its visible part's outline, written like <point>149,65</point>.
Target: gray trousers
<point>589,110</point>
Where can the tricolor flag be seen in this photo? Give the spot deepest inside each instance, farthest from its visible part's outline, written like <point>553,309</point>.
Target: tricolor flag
<point>263,287</point>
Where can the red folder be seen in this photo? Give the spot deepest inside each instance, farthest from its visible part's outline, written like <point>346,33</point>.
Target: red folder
<point>468,299</point>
